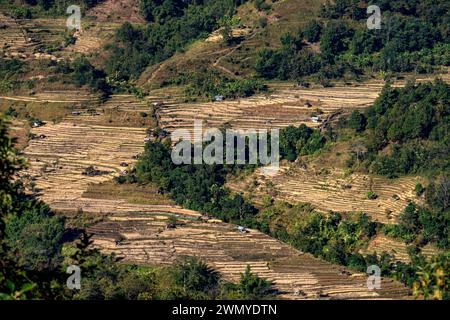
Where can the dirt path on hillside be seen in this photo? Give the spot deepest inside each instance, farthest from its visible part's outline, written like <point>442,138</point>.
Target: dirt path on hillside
<point>230,52</point>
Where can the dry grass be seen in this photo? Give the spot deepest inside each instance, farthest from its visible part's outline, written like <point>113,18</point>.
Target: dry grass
<point>132,193</point>
<point>119,11</point>
<point>332,189</point>
<point>20,131</point>
<point>92,37</point>
<point>396,248</point>
<point>67,149</point>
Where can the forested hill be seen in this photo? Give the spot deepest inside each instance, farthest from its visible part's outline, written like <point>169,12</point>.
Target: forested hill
<point>413,36</point>
<point>406,130</point>
<point>171,26</point>
<point>207,45</point>
<point>332,42</point>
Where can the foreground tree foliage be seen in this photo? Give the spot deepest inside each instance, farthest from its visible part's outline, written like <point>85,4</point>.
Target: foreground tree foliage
<point>433,281</point>
<point>34,237</point>
<point>28,248</point>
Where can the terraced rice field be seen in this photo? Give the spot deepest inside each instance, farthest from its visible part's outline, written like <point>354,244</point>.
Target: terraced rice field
<point>28,39</point>
<point>285,105</point>
<point>119,110</point>
<point>81,106</point>
<point>49,105</point>
<point>57,161</point>
<point>92,37</point>
<point>23,38</point>
<point>76,97</point>
<point>44,31</point>
<point>111,134</point>
<point>117,10</point>
<point>13,39</point>
<point>61,152</point>
<point>146,240</point>
<point>396,248</point>
<point>334,190</point>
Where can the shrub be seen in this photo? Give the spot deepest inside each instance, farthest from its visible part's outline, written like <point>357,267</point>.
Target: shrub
<point>195,276</point>
<point>313,31</point>
<point>262,22</point>
<point>357,121</point>
<point>253,287</point>
<point>419,189</point>
<point>371,195</point>
<point>21,13</point>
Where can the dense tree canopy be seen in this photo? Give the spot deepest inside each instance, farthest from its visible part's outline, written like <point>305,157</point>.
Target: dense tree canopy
<point>414,36</point>
<point>172,25</point>
<point>406,130</point>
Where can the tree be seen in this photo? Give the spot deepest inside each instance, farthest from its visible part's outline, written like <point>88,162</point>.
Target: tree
<point>365,41</point>
<point>195,276</point>
<point>433,281</point>
<point>438,193</point>
<point>357,121</point>
<point>34,237</point>
<point>333,38</point>
<point>409,220</point>
<point>253,287</point>
<point>227,30</point>
<point>313,31</point>
<point>46,4</point>
<point>267,63</point>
